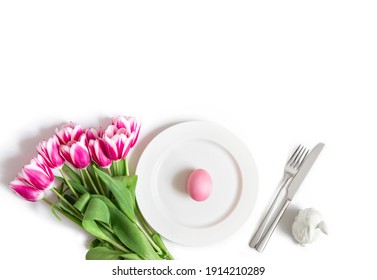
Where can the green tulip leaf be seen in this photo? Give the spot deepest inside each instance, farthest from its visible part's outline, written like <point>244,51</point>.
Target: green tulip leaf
<point>104,253</point>
<point>61,206</point>
<point>129,182</point>
<point>98,243</point>
<point>78,187</point>
<point>122,195</point>
<point>131,257</point>
<point>71,173</point>
<point>97,221</point>
<point>53,210</point>
<point>83,202</point>
<point>127,232</point>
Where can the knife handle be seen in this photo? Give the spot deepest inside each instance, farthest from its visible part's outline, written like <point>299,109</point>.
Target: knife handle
<point>266,237</point>
<point>267,217</point>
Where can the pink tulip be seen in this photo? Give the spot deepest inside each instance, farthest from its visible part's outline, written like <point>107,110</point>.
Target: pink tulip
<point>93,134</point>
<point>76,153</point>
<point>69,132</point>
<point>117,142</point>
<point>37,174</point>
<point>131,124</point>
<point>26,191</point>
<point>97,152</point>
<point>49,150</point>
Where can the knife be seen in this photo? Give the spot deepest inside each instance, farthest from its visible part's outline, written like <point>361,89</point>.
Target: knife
<point>292,189</point>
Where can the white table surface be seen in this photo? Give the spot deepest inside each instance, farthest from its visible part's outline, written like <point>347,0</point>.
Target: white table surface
<point>276,73</point>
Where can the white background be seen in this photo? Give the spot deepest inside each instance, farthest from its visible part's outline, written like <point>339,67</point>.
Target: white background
<point>276,73</point>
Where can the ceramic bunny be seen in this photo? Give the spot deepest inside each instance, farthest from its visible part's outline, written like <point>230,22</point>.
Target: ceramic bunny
<point>308,225</point>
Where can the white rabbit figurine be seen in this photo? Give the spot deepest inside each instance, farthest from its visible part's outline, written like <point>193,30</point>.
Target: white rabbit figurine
<point>308,225</point>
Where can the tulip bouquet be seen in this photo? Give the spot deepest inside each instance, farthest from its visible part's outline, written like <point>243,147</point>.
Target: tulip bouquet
<point>87,172</point>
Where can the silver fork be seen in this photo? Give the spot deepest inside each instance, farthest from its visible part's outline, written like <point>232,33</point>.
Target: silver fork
<point>290,170</point>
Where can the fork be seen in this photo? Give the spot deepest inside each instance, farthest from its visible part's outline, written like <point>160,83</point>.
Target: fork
<point>290,170</point>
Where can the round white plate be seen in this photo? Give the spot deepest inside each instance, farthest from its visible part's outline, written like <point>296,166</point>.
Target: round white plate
<point>163,170</point>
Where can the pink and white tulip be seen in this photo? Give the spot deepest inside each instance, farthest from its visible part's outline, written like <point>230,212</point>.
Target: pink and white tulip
<point>97,152</point>
<point>117,142</point>
<point>49,150</point>
<point>131,124</point>
<point>76,153</point>
<point>37,174</point>
<point>69,132</point>
<point>93,134</point>
<point>26,191</point>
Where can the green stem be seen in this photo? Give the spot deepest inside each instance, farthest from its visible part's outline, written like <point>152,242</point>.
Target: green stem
<point>85,182</point>
<point>113,242</point>
<point>155,236</point>
<point>91,180</point>
<point>69,184</point>
<point>143,221</point>
<point>68,216</point>
<point>109,171</point>
<point>79,215</point>
<point>48,201</point>
<point>126,167</point>
<point>117,245</point>
<point>101,188</point>
<point>154,245</point>
<point>116,168</point>
<point>121,167</point>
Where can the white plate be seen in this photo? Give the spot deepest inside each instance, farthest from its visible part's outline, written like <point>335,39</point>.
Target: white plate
<point>163,170</point>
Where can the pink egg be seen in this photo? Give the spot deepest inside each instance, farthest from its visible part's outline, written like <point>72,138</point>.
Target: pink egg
<point>199,185</point>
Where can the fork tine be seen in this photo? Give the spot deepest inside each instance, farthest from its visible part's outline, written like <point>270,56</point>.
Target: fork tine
<point>304,156</point>
<point>301,157</point>
<point>295,154</point>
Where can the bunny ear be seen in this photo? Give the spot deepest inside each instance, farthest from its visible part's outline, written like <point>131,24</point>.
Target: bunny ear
<point>323,227</point>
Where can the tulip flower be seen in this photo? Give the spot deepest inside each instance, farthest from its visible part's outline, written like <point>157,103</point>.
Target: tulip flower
<point>49,150</point>
<point>69,132</point>
<point>97,152</point>
<point>93,134</point>
<point>117,142</point>
<point>26,191</point>
<point>37,174</point>
<point>76,153</point>
<point>131,124</point>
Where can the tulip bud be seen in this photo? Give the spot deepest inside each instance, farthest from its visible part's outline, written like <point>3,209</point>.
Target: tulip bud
<point>97,152</point>
<point>26,191</point>
<point>117,142</point>
<point>93,134</point>
<point>49,150</point>
<point>37,174</point>
<point>131,124</point>
<point>69,132</point>
<point>76,153</point>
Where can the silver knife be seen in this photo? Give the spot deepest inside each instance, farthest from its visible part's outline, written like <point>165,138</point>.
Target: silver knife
<point>292,189</point>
